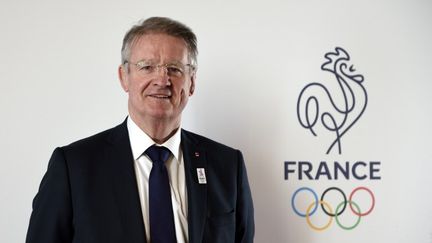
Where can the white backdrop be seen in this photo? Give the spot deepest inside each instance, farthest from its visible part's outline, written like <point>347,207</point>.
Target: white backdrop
<point>59,84</point>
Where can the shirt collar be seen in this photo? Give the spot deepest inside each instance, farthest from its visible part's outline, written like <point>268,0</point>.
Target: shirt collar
<point>140,141</point>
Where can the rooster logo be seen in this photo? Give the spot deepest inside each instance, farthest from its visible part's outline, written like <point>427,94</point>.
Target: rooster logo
<point>340,114</point>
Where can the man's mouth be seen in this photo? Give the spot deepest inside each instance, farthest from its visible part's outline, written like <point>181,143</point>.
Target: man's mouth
<point>160,96</point>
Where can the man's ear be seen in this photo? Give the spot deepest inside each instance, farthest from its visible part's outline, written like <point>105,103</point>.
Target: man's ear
<point>192,86</point>
<point>123,77</point>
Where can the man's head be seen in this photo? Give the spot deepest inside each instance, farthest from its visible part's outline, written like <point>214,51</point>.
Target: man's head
<point>160,25</point>
<point>158,69</point>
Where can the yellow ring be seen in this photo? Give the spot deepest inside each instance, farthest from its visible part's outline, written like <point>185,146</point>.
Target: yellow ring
<point>309,221</point>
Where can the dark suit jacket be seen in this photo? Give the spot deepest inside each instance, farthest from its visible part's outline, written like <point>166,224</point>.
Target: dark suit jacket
<point>89,193</point>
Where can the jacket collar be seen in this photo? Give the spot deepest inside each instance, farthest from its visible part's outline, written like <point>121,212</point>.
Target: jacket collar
<point>118,156</point>
<point>195,158</point>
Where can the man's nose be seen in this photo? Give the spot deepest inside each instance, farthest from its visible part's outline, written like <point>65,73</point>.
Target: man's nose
<point>161,76</point>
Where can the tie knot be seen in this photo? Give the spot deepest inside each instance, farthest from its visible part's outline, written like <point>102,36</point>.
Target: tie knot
<point>158,154</point>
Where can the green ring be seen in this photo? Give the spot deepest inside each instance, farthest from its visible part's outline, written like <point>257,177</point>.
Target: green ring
<point>337,220</point>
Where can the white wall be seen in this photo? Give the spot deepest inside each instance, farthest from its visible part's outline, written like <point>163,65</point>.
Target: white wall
<point>59,84</point>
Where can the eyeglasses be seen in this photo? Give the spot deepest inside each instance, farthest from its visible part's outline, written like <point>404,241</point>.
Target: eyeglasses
<point>176,70</point>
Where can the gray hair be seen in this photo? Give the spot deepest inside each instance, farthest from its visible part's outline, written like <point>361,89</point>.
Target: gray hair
<point>156,25</point>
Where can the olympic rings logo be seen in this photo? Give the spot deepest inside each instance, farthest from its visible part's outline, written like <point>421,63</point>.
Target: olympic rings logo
<point>328,210</point>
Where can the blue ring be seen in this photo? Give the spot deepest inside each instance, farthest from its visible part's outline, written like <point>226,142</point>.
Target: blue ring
<point>293,199</point>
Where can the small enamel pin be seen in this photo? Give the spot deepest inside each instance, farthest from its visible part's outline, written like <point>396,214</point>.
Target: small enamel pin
<point>201,176</point>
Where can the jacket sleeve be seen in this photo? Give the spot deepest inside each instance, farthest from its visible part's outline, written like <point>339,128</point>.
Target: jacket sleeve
<point>51,219</point>
<point>245,228</point>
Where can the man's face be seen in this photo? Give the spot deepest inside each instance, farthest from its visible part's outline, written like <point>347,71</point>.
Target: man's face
<point>158,94</point>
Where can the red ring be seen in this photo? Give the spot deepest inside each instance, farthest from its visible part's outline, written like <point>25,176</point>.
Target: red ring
<point>373,201</point>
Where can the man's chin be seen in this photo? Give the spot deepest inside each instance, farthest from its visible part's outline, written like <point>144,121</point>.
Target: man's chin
<point>159,113</point>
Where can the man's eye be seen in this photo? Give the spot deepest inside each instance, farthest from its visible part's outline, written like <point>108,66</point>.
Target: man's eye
<point>147,68</point>
<point>174,69</point>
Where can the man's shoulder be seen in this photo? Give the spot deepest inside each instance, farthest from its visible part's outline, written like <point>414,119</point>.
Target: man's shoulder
<point>206,142</point>
<point>97,140</point>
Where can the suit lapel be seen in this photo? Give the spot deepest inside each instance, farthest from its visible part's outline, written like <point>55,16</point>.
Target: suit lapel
<point>194,158</point>
<point>120,159</point>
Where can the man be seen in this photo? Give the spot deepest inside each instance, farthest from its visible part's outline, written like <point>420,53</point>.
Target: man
<point>147,180</point>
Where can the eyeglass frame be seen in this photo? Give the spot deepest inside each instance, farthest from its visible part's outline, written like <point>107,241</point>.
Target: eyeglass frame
<point>141,64</point>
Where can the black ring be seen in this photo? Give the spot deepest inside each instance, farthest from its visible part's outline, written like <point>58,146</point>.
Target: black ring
<point>322,199</point>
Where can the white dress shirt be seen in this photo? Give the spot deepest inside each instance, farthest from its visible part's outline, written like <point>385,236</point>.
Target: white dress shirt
<point>139,142</point>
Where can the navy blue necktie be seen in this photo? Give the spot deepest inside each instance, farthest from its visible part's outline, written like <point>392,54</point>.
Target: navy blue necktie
<point>161,214</point>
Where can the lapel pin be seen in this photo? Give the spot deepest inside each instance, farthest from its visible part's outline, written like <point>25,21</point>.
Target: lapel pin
<point>201,176</point>
<point>196,154</point>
